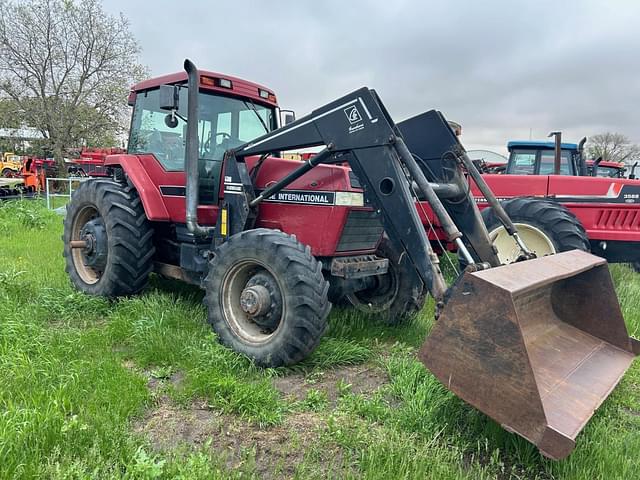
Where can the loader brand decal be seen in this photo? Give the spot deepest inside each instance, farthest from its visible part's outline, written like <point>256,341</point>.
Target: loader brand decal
<point>353,114</point>
<point>354,117</point>
<point>344,106</point>
<point>307,197</point>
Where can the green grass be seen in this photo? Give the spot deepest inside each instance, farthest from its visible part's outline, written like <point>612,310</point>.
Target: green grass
<point>75,372</point>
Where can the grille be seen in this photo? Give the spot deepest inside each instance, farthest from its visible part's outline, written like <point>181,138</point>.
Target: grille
<point>618,219</point>
<point>362,231</point>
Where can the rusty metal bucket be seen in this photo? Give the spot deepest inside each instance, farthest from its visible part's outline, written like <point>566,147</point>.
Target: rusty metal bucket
<point>536,345</point>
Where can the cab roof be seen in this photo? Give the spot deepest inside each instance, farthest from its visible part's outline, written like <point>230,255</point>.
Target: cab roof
<point>608,163</point>
<point>538,145</point>
<point>210,81</point>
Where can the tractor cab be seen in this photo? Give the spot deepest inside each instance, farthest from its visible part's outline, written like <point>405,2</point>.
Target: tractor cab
<point>231,112</point>
<point>537,158</point>
<point>607,169</point>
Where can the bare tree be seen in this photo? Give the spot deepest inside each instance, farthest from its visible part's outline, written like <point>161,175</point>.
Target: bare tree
<point>614,147</point>
<point>68,66</point>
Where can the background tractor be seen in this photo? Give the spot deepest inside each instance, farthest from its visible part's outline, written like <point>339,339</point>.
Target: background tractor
<point>202,195</point>
<point>584,208</point>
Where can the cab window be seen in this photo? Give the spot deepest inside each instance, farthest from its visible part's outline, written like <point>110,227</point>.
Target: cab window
<point>223,123</point>
<point>522,162</point>
<point>547,162</point>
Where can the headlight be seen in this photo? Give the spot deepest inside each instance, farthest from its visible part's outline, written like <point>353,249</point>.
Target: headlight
<point>351,199</point>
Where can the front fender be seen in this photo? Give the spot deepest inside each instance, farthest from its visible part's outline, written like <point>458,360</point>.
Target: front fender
<point>152,201</point>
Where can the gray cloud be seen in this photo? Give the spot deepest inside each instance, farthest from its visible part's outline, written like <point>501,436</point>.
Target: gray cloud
<point>502,69</point>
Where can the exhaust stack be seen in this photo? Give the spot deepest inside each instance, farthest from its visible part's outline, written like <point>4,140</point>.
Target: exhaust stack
<point>192,153</point>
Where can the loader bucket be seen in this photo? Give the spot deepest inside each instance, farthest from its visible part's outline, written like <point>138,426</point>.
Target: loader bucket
<point>536,345</point>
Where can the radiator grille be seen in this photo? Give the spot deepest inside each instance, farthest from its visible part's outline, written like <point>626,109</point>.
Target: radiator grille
<point>618,219</point>
<point>362,231</point>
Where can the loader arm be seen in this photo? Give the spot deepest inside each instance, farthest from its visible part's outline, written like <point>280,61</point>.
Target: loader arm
<point>359,127</point>
<point>528,343</point>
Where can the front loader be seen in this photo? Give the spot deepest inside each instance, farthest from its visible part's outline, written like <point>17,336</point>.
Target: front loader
<point>522,342</point>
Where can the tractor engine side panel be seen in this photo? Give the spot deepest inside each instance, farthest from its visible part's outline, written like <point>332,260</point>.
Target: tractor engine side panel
<point>330,231</point>
<point>308,209</point>
<point>609,209</point>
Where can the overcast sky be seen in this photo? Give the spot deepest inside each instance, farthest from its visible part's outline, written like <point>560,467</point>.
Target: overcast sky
<point>501,69</point>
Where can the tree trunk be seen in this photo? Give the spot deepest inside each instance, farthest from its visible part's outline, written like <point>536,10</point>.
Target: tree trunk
<point>58,155</point>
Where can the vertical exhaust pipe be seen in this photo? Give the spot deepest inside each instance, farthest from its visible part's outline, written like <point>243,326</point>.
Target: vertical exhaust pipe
<point>557,152</point>
<point>581,159</point>
<point>192,153</point>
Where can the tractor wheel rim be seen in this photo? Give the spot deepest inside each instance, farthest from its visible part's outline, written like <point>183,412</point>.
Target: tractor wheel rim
<point>535,239</point>
<point>379,298</point>
<point>254,310</point>
<point>87,273</point>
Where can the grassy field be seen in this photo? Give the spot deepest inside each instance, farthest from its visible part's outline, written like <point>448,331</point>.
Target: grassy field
<point>139,388</point>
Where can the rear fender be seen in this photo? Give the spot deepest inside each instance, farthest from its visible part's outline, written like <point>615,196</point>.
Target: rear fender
<point>152,201</point>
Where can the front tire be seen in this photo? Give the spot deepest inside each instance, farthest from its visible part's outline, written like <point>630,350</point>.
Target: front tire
<point>546,227</point>
<point>118,254</point>
<point>266,297</point>
<point>397,295</point>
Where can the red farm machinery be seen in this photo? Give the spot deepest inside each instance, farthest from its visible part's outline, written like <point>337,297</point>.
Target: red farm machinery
<point>203,195</point>
<point>558,199</point>
<point>91,162</point>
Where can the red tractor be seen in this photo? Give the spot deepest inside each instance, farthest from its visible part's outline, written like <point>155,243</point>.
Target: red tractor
<point>202,195</point>
<point>584,209</point>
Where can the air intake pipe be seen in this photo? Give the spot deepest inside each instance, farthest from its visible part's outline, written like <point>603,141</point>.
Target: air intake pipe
<point>192,152</point>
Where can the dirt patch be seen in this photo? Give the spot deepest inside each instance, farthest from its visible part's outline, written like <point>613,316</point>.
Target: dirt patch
<point>276,451</point>
<point>358,379</point>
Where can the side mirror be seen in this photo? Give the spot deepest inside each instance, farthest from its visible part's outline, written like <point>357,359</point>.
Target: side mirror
<point>168,97</point>
<point>287,117</point>
<point>170,120</point>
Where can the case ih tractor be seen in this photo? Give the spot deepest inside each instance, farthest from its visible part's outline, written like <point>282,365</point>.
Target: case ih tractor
<point>198,197</point>
<point>584,209</point>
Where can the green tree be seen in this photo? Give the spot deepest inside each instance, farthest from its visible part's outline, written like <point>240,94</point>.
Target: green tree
<point>9,113</point>
<point>68,66</point>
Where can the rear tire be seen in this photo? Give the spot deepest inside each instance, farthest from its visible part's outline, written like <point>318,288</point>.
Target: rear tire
<point>548,224</point>
<point>266,297</point>
<point>398,295</point>
<point>7,172</point>
<point>122,257</point>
